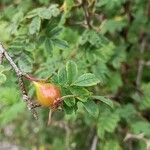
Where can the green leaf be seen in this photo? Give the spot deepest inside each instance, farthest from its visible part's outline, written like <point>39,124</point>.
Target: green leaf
<point>81,93</point>
<point>70,102</point>
<point>141,127</point>
<point>62,76</point>
<point>106,52</point>
<point>25,63</point>
<point>127,112</point>
<point>19,43</point>
<point>54,10</point>
<point>18,17</point>
<point>119,57</point>
<point>2,78</point>
<point>87,79</point>
<point>101,71</point>
<point>112,25</point>
<point>55,31</point>
<point>33,13</point>
<point>107,122</point>
<point>2,68</point>
<point>48,44</point>
<point>91,108</point>
<point>60,43</point>
<point>93,38</point>
<point>69,4</point>
<point>35,25</point>
<point>104,100</point>
<point>45,13</point>
<point>72,71</point>
<point>115,81</point>
<point>41,40</point>
<point>145,99</point>
<point>68,110</point>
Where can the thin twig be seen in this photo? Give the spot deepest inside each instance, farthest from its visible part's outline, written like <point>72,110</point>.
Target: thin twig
<point>79,23</point>
<point>139,73</point>
<point>36,105</point>
<point>68,133</point>
<point>49,117</point>
<point>133,136</point>
<point>147,63</point>
<point>20,75</point>
<point>140,65</point>
<point>141,136</point>
<point>31,78</point>
<point>64,125</point>
<point>94,143</point>
<point>82,24</point>
<point>87,15</point>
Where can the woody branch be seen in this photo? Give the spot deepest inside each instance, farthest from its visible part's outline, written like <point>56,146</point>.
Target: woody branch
<point>20,75</point>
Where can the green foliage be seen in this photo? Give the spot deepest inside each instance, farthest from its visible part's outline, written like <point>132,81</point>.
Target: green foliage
<point>35,25</point>
<point>43,12</point>
<point>91,108</point>
<point>72,71</point>
<point>107,123</point>
<point>87,79</point>
<point>2,78</point>
<point>145,100</point>
<point>9,115</point>
<point>104,100</point>
<point>95,51</point>
<point>141,127</point>
<point>50,39</point>
<point>111,144</point>
<point>112,25</point>
<point>2,75</point>
<point>82,93</point>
